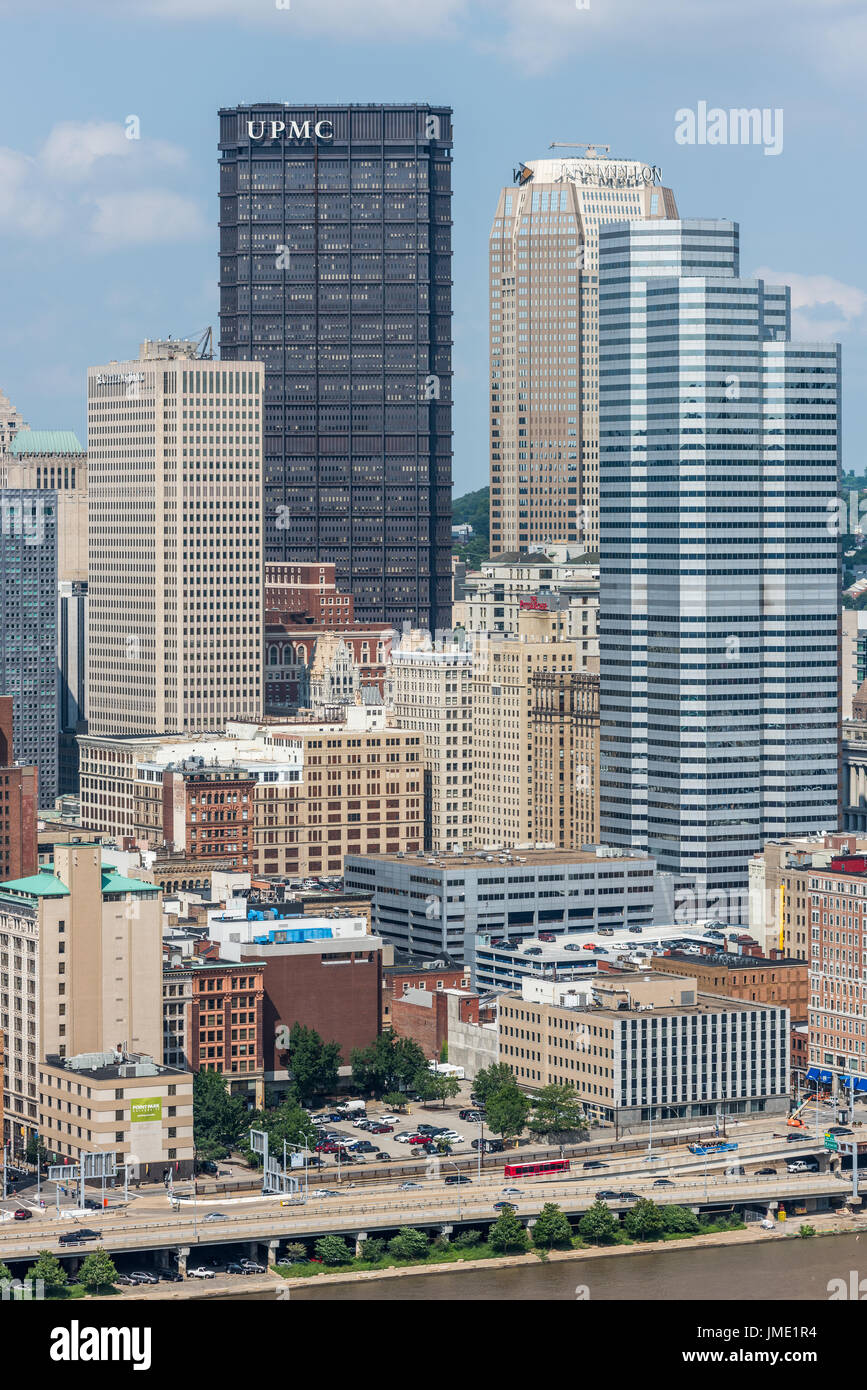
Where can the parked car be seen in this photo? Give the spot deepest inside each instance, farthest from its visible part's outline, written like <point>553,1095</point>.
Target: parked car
<point>383,1156</point>
<point>766,1172</point>
<point>22,1214</point>
<point>234,1267</point>
<point>363,1146</point>
<point>143,1276</point>
<point>457,1180</point>
<point>419,1139</point>
<point>200,1272</point>
<point>474,1115</point>
<point>533,951</point>
<point>594,1163</point>
<point>799,1166</point>
<point>171,1276</point>
<point>404,1136</point>
<point>380,1128</point>
<point>488,1146</point>
<point>547,936</point>
<point>124,1279</point>
<point>451,1136</point>
<point>216,1216</point>
<point>571,946</point>
<point>428,1129</point>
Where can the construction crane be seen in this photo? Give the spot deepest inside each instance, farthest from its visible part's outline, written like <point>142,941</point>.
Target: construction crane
<point>589,150</point>
<point>204,341</point>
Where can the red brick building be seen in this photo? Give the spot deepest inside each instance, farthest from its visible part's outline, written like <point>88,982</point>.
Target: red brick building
<point>332,985</point>
<point>406,973</point>
<point>18,805</point>
<point>210,813</point>
<point>423,1015</point>
<point>306,590</point>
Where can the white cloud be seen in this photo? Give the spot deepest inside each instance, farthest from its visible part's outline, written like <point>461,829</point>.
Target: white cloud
<point>146,216</point>
<point>84,186</point>
<point>76,149</point>
<point>822,307</point>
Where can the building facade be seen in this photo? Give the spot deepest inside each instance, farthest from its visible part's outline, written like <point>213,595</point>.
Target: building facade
<point>81,957</point>
<point>335,273</point>
<point>564,741</point>
<point>652,1047</point>
<point>19,801</point>
<point>28,627</point>
<point>430,690</point>
<point>118,1102</point>
<point>175,582</point>
<point>718,654</point>
<point>544,288</point>
<point>442,904</point>
<point>319,791</point>
<point>493,598</point>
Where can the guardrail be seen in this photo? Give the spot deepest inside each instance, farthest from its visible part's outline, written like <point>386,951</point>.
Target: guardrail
<point>299,1220</point>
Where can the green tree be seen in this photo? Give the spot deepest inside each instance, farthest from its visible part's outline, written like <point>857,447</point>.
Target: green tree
<point>551,1227</point>
<point>49,1269</point>
<point>424,1085</point>
<point>5,1274</point>
<point>218,1117</point>
<point>465,1240</point>
<point>508,1234</point>
<point>333,1250</point>
<point>507,1111</point>
<point>372,1249</point>
<point>491,1079</point>
<point>409,1244</point>
<point>598,1224</point>
<point>287,1121</point>
<point>388,1064</point>
<point>395,1100</point>
<point>680,1221</point>
<point>35,1150</point>
<point>436,1085</point>
<point>313,1064</point>
<point>645,1220</point>
<point>557,1115</point>
<point>295,1253</point>
<point>97,1271</point>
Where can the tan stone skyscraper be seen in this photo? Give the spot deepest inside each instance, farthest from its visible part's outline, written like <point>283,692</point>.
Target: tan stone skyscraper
<point>175,559</point>
<point>544,343</point>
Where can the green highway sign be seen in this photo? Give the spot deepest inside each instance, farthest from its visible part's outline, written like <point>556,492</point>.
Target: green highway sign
<point>831,1142</point>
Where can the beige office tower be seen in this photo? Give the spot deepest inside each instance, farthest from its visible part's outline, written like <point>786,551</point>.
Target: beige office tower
<point>544,278</point>
<point>431,690</point>
<point>175,559</point>
<point>505,731</point>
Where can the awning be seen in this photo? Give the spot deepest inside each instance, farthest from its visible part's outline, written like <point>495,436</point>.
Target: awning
<point>860,1083</point>
<point>814,1074</point>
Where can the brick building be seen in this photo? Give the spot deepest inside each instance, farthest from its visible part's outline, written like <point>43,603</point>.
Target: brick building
<point>18,805</point>
<point>407,973</point>
<point>423,1015</point>
<point>775,980</point>
<point>222,1003</point>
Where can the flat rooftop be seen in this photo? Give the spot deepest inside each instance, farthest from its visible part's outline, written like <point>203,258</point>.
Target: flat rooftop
<point>514,858</point>
<point>728,960</point>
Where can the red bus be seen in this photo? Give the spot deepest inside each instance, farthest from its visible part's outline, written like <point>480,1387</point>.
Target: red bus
<point>529,1170</point>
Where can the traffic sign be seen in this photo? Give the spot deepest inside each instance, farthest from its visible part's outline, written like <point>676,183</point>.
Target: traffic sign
<point>831,1142</point>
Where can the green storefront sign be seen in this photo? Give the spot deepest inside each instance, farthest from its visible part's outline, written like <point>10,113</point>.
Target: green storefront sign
<point>150,1109</point>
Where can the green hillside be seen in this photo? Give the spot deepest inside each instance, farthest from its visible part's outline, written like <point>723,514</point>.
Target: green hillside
<point>473,508</point>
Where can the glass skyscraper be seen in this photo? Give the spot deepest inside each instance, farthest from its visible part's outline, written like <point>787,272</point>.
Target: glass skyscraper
<point>335,272</point>
<point>719,450</point>
<point>28,628</point>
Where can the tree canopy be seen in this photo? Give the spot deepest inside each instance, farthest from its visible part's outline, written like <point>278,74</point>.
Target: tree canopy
<point>218,1117</point>
<point>388,1064</point>
<point>313,1064</point>
<point>557,1114</point>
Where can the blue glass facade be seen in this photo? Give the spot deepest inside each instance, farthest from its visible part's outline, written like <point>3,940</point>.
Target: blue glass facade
<point>335,272</point>
<point>28,628</point>
<point>719,454</point>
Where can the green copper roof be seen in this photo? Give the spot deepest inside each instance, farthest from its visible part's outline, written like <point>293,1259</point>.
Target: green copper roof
<point>115,883</point>
<point>46,442</point>
<point>41,885</point>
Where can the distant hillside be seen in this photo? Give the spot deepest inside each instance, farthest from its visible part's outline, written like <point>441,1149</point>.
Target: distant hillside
<point>473,508</point>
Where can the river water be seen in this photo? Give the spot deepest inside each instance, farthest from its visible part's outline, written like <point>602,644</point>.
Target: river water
<point>778,1270</point>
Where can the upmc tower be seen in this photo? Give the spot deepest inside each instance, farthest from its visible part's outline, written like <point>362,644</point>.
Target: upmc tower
<point>335,272</point>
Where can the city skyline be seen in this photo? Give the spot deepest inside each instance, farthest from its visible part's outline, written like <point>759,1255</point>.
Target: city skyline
<point>94,213</point>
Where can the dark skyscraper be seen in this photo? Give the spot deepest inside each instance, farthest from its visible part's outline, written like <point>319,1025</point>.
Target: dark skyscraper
<point>335,271</point>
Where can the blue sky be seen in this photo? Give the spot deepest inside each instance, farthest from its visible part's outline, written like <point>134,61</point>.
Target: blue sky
<point>105,241</point>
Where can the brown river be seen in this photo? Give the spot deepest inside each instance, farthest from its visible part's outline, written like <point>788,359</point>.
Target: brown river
<point>779,1270</point>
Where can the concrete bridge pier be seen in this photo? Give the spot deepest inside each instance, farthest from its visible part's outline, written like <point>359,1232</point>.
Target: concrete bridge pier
<point>273,1248</point>
<point>183,1256</point>
<point>359,1239</point>
<point>446,1232</point>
